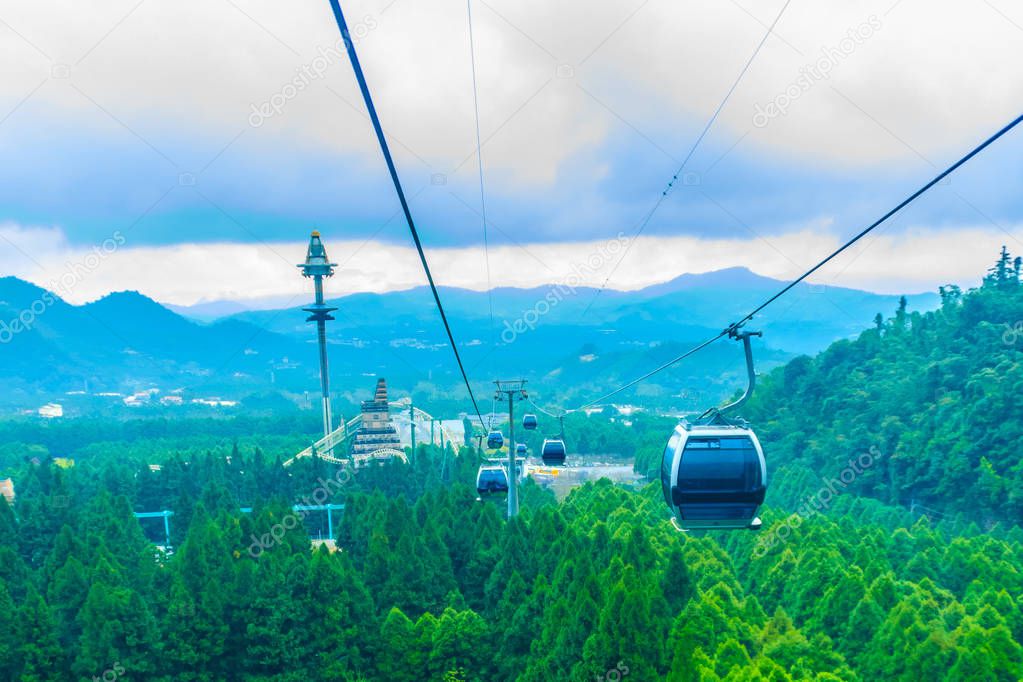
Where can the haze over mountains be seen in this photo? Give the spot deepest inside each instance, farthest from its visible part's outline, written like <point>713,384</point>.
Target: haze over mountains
<point>555,336</point>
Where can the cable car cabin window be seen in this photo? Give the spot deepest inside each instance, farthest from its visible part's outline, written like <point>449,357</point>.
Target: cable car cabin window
<point>667,461</point>
<point>492,480</point>
<point>553,449</point>
<point>719,465</point>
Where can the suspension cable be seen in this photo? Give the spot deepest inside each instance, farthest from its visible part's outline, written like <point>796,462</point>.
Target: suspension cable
<point>669,363</point>
<point>479,157</point>
<point>549,414</point>
<point>905,202</point>
<point>692,150</point>
<point>361,78</point>
<point>749,316</point>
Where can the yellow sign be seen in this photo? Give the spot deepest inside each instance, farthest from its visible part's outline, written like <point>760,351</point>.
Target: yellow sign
<point>546,472</point>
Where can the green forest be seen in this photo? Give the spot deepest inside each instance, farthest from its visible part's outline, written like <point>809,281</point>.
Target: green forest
<point>891,547</point>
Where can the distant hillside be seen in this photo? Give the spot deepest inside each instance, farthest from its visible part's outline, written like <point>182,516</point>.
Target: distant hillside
<point>126,342</point>
<point>123,342</point>
<point>209,311</point>
<point>548,335</point>
<point>809,318</point>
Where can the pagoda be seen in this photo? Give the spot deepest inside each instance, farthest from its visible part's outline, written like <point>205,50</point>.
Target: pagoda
<point>376,433</point>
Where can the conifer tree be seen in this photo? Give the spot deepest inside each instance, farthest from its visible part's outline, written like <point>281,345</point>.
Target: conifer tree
<point>39,657</point>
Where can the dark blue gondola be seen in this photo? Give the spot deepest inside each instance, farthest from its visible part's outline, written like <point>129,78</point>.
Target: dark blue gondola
<point>713,472</point>
<point>491,481</point>
<point>714,476</point>
<point>520,449</point>
<point>553,452</point>
<point>529,422</point>
<point>495,440</point>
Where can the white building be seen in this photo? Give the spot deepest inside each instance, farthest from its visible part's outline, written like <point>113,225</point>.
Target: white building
<point>51,410</point>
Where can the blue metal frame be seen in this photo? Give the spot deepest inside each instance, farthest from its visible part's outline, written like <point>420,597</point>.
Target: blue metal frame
<point>167,513</point>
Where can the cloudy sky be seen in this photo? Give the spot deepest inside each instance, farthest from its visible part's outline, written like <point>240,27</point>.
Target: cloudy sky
<point>186,149</point>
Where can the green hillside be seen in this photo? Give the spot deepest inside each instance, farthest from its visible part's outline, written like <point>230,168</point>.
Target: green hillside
<point>431,585</point>
<point>936,397</point>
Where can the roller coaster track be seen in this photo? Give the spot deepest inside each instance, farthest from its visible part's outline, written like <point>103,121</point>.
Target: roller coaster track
<point>337,441</point>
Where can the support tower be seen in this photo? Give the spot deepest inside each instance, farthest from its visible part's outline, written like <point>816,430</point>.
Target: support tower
<point>317,265</point>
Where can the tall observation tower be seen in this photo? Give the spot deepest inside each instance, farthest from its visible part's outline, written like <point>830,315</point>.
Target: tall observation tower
<point>317,265</point>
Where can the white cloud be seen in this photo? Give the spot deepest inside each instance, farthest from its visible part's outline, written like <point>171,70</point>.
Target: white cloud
<point>932,77</point>
<point>917,259</point>
<point>935,75</point>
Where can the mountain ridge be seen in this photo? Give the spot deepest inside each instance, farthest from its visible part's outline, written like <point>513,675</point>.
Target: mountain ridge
<point>725,278</point>
<point>127,342</point>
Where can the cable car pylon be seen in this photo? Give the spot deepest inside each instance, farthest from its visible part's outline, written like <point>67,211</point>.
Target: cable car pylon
<point>512,390</point>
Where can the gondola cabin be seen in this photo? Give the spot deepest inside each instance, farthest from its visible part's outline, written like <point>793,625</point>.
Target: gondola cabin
<point>529,422</point>
<point>495,440</point>
<point>491,481</point>
<point>520,450</point>
<point>714,476</point>
<point>553,452</point>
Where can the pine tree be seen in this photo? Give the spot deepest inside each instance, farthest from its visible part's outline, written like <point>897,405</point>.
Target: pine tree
<point>458,645</point>
<point>623,631</point>
<point>865,620</point>
<point>1003,273</point>
<point>196,628</point>
<point>67,593</point>
<point>40,657</point>
<point>117,629</point>
<point>517,624</point>
<point>348,613</point>
<point>676,583</point>
<point>8,525</point>
<point>9,642</point>
<point>397,649</point>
